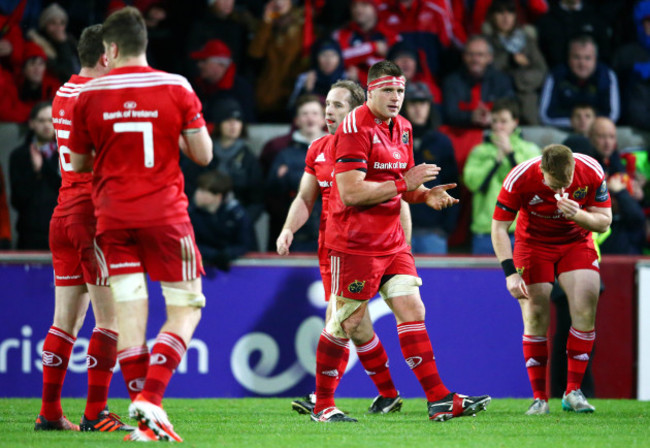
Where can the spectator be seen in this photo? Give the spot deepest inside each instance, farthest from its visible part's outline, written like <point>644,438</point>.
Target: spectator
<point>473,14</point>
<point>487,166</point>
<point>11,37</point>
<point>327,68</point>
<point>163,46</point>
<point>233,157</point>
<point>5,223</point>
<point>277,47</point>
<point>35,180</point>
<point>287,169</point>
<point>602,137</point>
<point>566,20</point>
<point>582,118</point>
<point>221,225</point>
<point>516,53</point>
<point>429,26</point>
<point>58,44</point>
<point>430,228</point>
<point>582,80</point>
<point>364,40</point>
<point>218,80</point>
<point>414,67</point>
<point>468,93</point>
<point>34,84</point>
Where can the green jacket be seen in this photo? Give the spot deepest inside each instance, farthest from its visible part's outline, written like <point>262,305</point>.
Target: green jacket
<point>483,176</point>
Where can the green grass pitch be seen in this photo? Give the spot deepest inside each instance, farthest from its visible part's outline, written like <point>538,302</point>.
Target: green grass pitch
<point>271,423</point>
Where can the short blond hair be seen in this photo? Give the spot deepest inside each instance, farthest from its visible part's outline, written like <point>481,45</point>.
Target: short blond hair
<point>558,161</point>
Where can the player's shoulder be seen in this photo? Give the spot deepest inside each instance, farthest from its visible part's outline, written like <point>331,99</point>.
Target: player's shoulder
<point>359,121</point>
<point>587,165</point>
<point>521,174</point>
<point>318,145</point>
<point>136,79</point>
<point>71,88</point>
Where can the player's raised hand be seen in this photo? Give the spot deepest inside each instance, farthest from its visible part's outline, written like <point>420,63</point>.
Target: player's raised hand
<point>284,242</point>
<point>420,174</point>
<point>516,286</point>
<point>438,198</point>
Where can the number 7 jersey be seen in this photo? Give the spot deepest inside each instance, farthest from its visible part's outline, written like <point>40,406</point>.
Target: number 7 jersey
<point>132,118</point>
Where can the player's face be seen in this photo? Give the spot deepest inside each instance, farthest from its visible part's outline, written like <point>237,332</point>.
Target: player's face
<point>582,119</point>
<point>310,118</point>
<point>502,121</point>
<point>417,112</point>
<point>582,60</point>
<point>42,126</point>
<point>556,185</point>
<point>231,128</point>
<point>337,106</point>
<point>385,102</point>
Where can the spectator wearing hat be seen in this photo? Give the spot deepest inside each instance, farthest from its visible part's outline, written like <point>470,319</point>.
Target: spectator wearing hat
<point>35,180</point>
<point>516,53</point>
<point>487,166</point>
<point>59,46</point>
<point>469,92</point>
<point>430,228</point>
<point>218,80</point>
<point>221,226</point>
<point>277,48</point>
<point>364,40</point>
<point>414,66</point>
<point>32,85</point>
<point>327,68</point>
<point>233,157</point>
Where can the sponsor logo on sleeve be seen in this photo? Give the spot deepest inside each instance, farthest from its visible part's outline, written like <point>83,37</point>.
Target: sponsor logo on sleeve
<point>602,194</point>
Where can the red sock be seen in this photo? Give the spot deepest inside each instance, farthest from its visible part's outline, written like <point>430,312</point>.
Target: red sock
<point>578,350</point>
<point>329,358</point>
<point>102,354</point>
<point>374,360</point>
<point>418,353</point>
<point>56,354</point>
<point>166,354</point>
<point>536,356</point>
<point>134,362</point>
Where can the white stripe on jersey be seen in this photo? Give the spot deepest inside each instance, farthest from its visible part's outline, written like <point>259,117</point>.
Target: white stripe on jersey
<point>516,173</point>
<point>133,85</point>
<point>354,120</point>
<point>128,80</point>
<point>591,163</point>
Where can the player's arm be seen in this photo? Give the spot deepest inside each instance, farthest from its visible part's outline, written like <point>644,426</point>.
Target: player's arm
<point>503,251</point>
<point>198,145</point>
<point>299,212</point>
<point>405,220</point>
<point>356,191</point>
<point>82,163</point>
<point>594,219</point>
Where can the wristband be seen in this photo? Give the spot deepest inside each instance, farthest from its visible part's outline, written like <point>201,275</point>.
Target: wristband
<point>508,267</point>
<point>400,184</point>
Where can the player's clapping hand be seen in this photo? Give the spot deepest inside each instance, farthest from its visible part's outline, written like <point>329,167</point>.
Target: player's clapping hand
<point>420,174</point>
<point>568,207</point>
<point>284,242</point>
<point>438,198</point>
<point>516,286</point>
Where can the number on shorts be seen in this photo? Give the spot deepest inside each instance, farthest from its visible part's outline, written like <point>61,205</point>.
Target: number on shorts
<point>147,137</point>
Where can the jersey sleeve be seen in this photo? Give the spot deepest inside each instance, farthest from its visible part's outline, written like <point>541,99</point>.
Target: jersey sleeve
<point>309,159</point>
<point>352,146</point>
<point>80,141</point>
<point>508,204</point>
<point>601,197</point>
<point>191,109</point>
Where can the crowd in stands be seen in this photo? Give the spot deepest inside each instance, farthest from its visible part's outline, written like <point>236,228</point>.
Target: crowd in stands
<point>476,71</point>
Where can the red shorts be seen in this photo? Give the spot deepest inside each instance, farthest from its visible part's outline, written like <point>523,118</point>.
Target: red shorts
<point>73,251</point>
<point>359,277</point>
<point>167,253</point>
<point>542,263</point>
<point>325,271</point>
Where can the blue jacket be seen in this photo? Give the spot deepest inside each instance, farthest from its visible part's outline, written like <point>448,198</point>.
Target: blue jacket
<point>563,90</point>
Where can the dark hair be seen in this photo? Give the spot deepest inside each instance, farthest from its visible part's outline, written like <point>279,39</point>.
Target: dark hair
<point>307,98</point>
<point>582,39</point>
<point>479,37</point>
<point>558,161</point>
<point>508,104</point>
<point>384,68</point>
<point>38,107</point>
<point>126,29</point>
<point>357,95</point>
<point>216,182</point>
<point>583,106</point>
<point>502,6</point>
<point>90,46</point>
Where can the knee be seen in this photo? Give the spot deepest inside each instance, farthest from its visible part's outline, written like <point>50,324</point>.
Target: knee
<point>351,326</point>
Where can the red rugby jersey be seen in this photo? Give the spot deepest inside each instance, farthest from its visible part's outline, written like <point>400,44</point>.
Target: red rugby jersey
<point>133,118</point>
<point>540,221</point>
<point>319,162</point>
<point>366,143</point>
<point>76,188</point>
